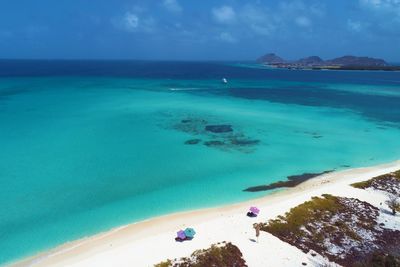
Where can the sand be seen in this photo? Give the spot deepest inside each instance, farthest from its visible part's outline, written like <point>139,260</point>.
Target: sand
<point>149,242</point>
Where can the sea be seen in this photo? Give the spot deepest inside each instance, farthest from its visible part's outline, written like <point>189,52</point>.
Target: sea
<point>87,146</point>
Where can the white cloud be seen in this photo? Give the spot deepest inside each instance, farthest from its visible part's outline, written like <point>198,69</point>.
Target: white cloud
<point>391,6</point>
<point>387,11</point>
<point>290,6</point>
<point>258,20</point>
<point>254,15</point>
<point>354,26</point>
<point>131,21</point>
<point>303,21</point>
<point>372,3</point>
<point>224,14</point>
<point>172,6</point>
<point>227,37</point>
<point>135,20</point>
<point>265,30</point>
<point>381,3</point>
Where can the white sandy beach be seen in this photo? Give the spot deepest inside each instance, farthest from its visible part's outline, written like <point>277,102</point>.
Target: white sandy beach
<point>150,242</point>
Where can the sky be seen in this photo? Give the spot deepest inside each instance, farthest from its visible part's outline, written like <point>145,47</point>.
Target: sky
<point>198,29</point>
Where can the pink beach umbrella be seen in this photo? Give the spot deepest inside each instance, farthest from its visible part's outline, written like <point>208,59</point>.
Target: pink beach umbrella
<point>255,210</point>
<point>181,234</point>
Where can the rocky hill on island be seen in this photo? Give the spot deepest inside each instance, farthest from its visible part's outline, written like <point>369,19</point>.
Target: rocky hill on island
<point>270,59</point>
<point>357,61</point>
<point>344,62</point>
<point>313,60</point>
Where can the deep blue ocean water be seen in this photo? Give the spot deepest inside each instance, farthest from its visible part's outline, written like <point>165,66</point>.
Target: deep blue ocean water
<point>86,146</point>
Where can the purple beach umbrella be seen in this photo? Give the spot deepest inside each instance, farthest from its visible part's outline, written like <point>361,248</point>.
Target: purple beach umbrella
<point>255,210</point>
<point>181,234</point>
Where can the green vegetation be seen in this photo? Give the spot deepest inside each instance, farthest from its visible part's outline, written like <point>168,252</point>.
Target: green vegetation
<point>393,203</point>
<point>379,260</point>
<point>363,184</point>
<point>301,215</point>
<point>382,178</point>
<point>316,210</point>
<point>387,182</point>
<point>332,225</point>
<point>221,255</point>
<point>166,263</point>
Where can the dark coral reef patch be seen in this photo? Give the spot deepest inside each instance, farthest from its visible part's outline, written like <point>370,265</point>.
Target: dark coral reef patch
<point>192,141</point>
<point>222,136</point>
<point>222,128</point>
<point>292,181</point>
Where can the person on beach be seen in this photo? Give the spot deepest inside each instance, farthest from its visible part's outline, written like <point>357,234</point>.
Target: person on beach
<point>257,227</point>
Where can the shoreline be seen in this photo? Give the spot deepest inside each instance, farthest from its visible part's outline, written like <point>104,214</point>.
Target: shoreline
<point>141,238</point>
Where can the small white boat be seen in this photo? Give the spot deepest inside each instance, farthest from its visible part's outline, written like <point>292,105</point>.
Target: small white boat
<point>224,81</point>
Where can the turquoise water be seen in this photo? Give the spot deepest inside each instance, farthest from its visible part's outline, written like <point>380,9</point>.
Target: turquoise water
<point>80,155</point>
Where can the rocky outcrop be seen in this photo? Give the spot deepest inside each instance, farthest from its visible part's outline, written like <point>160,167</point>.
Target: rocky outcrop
<point>313,60</point>
<point>270,59</point>
<point>357,61</point>
<point>316,61</point>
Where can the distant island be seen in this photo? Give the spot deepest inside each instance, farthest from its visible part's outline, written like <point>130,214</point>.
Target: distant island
<point>317,63</point>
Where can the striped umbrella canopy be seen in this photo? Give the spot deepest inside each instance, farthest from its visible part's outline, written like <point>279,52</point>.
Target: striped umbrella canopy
<point>190,232</point>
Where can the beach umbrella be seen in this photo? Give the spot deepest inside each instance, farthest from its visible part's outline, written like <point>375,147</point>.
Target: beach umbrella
<point>190,232</point>
<point>255,210</point>
<point>181,234</point>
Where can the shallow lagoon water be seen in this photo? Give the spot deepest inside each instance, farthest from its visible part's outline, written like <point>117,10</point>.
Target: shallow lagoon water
<point>83,154</point>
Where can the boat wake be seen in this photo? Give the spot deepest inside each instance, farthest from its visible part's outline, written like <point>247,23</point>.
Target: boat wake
<point>187,89</point>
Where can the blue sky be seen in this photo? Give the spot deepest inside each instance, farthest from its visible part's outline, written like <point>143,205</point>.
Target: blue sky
<point>198,29</point>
